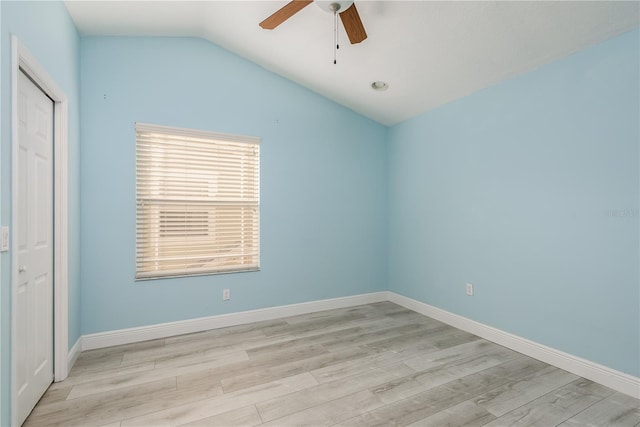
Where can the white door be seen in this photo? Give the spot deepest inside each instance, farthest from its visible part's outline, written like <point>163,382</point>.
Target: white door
<point>34,237</point>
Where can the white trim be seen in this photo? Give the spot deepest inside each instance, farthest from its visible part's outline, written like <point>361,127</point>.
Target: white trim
<point>196,133</point>
<point>163,330</point>
<point>74,353</point>
<point>22,58</point>
<point>61,241</point>
<point>611,378</point>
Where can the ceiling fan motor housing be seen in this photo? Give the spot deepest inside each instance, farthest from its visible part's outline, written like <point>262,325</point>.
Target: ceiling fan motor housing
<point>334,6</point>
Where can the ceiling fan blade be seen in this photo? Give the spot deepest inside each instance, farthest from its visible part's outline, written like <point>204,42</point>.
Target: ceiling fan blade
<point>353,25</point>
<point>284,13</point>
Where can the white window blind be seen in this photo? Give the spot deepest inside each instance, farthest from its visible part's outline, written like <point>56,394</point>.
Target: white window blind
<point>197,202</point>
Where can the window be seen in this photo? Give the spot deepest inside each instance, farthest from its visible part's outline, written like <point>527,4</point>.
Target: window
<point>197,202</point>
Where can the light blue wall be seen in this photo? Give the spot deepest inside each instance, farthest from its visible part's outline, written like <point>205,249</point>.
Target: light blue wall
<point>323,181</point>
<point>530,191</point>
<point>46,29</point>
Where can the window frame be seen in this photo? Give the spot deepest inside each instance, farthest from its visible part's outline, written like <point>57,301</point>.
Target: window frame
<point>150,229</point>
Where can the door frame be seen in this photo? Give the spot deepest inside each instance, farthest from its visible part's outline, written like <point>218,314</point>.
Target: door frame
<point>21,58</point>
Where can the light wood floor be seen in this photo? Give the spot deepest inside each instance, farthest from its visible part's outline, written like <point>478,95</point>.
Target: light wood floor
<point>376,364</point>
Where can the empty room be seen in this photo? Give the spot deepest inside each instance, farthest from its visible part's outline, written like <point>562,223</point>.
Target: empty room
<point>393,213</point>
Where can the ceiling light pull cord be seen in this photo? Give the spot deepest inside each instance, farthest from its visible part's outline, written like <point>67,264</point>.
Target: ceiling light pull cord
<point>335,36</point>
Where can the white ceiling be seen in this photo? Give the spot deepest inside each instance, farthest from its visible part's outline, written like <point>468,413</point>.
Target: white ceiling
<point>429,52</point>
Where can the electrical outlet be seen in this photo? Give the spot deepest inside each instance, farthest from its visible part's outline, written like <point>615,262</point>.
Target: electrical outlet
<point>469,289</point>
<point>226,295</point>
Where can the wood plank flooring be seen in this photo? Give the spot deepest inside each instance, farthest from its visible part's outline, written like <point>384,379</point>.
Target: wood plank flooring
<point>370,365</point>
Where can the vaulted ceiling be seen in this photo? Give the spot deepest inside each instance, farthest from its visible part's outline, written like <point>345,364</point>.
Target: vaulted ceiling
<point>428,52</point>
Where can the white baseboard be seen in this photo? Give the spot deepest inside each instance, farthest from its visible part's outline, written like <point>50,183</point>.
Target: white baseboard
<point>611,378</point>
<point>163,330</point>
<point>73,354</point>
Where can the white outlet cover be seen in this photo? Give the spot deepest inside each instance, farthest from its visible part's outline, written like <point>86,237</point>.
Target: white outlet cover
<point>469,289</point>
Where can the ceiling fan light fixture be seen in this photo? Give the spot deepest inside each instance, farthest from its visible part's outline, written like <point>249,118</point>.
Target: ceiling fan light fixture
<point>379,85</point>
<point>334,6</point>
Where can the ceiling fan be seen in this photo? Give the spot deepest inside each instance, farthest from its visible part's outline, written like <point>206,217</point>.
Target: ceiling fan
<point>346,9</point>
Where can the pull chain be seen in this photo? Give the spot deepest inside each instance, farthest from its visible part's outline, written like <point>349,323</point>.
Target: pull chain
<point>335,36</point>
